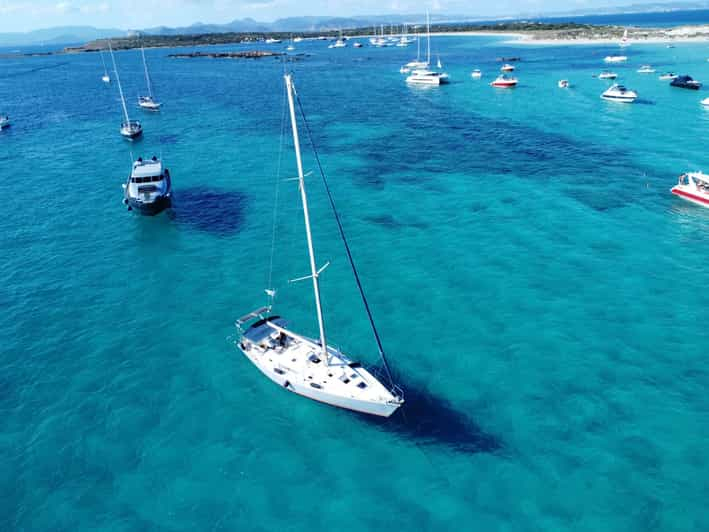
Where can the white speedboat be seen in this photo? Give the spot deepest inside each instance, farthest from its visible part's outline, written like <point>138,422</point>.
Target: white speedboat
<point>149,103</point>
<point>357,44</point>
<point>271,40</point>
<point>148,189</point>
<point>668,76</point>
<point>693,187</point>
<point>705,102</point>
<point>130,129</point>
<point>298,39</point>
<point>504,82</point>
<point>607,75</point>
<point>476,74</point>
<point>563,84</point>
<point>4,121</point>
<point>618,93</point>
<point>615,58</point>
<point>507,68</point>
<point>646,69</point>
<point>306,366</point>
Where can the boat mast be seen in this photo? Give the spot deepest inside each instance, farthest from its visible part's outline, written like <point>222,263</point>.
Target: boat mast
<point>428,32</point>
<point>147,77</point>
<point>105,70</point>
<point>118,80</point>
<point>301,181</point>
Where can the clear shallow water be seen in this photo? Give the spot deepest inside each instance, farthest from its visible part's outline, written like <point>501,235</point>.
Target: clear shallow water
<point>541,294</point>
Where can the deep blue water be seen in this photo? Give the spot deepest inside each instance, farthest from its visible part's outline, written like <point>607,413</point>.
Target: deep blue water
<point>541,294</point>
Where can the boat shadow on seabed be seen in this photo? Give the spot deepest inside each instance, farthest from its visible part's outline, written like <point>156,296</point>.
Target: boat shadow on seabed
<point>430,420</point>
<point>219,212</point>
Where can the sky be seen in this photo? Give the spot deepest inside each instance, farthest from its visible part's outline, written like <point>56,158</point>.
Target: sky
<point>26,15</point>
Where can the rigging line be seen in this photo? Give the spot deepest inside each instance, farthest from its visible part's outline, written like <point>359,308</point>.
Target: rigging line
<point>275,201</point>
<point>346,244</point>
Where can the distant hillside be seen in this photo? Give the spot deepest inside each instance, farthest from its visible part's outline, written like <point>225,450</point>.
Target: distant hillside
<point>59,35</point>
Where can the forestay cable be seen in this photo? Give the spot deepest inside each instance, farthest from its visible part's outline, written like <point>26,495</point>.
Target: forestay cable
<point>347,246</point>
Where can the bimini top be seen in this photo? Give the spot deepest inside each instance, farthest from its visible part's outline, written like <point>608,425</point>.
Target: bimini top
<point>150,168</point>
<point>260,330</point>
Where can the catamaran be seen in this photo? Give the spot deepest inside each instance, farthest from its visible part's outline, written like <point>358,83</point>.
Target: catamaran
<point>130,129</point>
<point>147,102</point>
<point>424,75</point>
<point>306,366</point>
<point>105,78</point>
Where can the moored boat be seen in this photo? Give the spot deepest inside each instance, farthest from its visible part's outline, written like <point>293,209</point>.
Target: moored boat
<point>667,76</point>
<point>504,82</point>
<point>310,367</point>
<point>705,102</point>
<point>686,82</point>
<point>693,187</point>
<point>618,93</point>
<point>646,69</point>
<point>607,75</point>
<point>149,188</point>
<point>615,58</point>
<point>130,129</point>
<point>476,74</point>
<point>563,84</point>
<point>4,121</point>
<point>507,68</point>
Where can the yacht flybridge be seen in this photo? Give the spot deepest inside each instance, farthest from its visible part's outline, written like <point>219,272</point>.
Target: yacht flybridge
<point>148,102</point>
<point>149,188</point>
<point>130,129</point>
<point>693,187</point>
<point>306,366</point>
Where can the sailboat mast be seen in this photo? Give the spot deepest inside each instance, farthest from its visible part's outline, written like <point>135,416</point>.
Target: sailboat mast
<point>118,79</point>
<point>428,31</point>
<point>147,77</point>
<point>313,268</point>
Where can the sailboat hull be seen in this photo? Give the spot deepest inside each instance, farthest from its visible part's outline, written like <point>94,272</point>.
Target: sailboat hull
<point>305,388</point>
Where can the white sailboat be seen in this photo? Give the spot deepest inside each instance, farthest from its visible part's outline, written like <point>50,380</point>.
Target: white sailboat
<point>148,102</point>
<point>624,42</point>
<point>105,78</point>
<point>130,129</point>
<point>424,75</point>
<point>417,63</point>
<point>306,366</point>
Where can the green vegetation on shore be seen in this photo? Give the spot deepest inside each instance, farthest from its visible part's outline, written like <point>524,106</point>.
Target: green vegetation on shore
<point>171,41</point>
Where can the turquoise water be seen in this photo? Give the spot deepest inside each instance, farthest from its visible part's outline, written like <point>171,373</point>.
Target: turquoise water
<point>541,294</point>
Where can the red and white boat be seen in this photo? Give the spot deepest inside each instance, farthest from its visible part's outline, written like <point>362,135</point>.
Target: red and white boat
<point>693,187</point>
<point>504,82</point>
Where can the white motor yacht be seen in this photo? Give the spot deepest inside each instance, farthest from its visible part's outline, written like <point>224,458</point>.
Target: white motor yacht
<point>148,189</point>
<point>646,69</point>
<point>563,84</point>
<point>615,58</point>
<point>668,76</point>
<point>271,40</point>
<point>507,68</point>
<point>705,102</point>
<point>607,75</point>
<point>618,93</point>
<point>306,366</point>
<point>693,187</point>
<point>476,74</point>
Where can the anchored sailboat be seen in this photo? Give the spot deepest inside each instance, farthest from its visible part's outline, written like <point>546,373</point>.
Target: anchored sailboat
<point>424,75</point>
<point>306,366</point>
<point>147,102</point>
<point>130,129</point>
<point>105,78</point>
